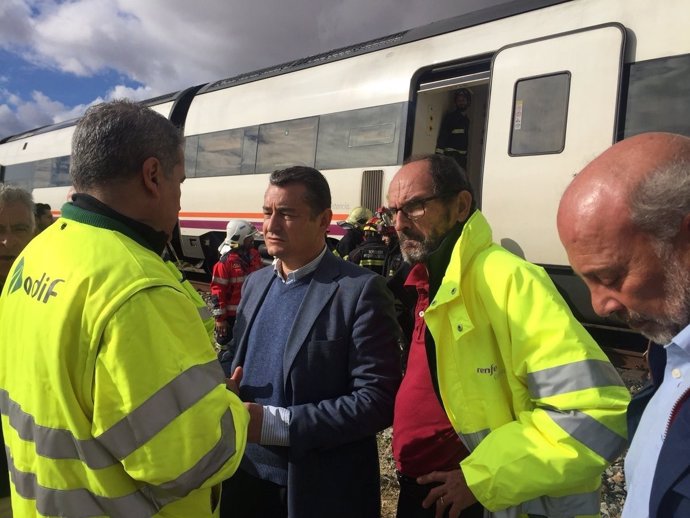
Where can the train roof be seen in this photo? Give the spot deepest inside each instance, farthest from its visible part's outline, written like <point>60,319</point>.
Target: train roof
<point>511,8</point>
<point>181,96</point>
<point>463,21</point>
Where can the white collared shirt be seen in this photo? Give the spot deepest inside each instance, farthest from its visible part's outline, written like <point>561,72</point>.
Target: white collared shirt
<point>300,272</point>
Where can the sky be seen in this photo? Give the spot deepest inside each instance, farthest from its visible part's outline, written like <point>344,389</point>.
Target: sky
<point>58,57</point>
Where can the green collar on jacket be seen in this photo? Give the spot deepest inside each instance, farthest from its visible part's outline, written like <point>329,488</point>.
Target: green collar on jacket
<point>477,236</point>
<point>440,258</point>
<point>90,211</point>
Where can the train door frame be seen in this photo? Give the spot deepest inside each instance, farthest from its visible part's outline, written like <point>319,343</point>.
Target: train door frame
<point>431,94</point>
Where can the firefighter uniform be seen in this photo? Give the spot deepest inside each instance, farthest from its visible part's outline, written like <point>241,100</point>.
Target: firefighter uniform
<point>112,400</point>
<point>370,254</point>
<point>229,274</point>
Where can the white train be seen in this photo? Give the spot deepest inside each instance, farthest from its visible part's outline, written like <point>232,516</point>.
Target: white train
<point>553,84</point>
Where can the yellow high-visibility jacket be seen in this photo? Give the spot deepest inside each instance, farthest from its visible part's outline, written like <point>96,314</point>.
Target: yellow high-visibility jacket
<point>113,402</point>
<point>531,394</point>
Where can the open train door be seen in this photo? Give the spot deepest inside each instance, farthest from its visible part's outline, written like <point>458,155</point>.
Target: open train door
<point>553,107</point>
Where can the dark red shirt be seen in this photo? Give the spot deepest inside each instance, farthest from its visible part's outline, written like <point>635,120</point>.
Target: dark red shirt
<point>423,438</point>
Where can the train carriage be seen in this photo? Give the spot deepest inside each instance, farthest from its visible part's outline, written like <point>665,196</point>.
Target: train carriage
<point>553,83</point>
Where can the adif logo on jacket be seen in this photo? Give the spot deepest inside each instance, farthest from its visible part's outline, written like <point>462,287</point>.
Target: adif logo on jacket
<point>40,289</point>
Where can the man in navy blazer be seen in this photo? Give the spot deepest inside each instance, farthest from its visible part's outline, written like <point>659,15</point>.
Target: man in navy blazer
<point>625,223</point>
<point>317,363</point>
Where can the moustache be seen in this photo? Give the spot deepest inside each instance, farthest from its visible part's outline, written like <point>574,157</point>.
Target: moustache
<point>409,236</point>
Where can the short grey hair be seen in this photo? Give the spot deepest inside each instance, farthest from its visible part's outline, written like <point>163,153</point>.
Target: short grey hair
<point>113,139</point>
<point>14,194</point>
<point>660,201</point>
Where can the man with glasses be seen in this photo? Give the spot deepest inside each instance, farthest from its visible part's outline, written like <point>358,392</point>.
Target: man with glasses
<point>507,403</point>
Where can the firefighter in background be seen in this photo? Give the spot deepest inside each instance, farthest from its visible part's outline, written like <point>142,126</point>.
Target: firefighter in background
<point>372,252</point>
<point>238,258</point>
<point>453,137</point>
<point>354,235</point>
<point>394,259</point>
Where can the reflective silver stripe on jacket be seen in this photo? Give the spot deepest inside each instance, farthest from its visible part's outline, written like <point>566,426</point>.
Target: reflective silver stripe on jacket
<point>553,507</point>
<point>571,377</point>
<point>204,312</point>
<point>220,280</point>
<point>146,502</point>
<point>601,440</point>
<point>238,280</point>
<point>125,436</point>
<point>472,440</point>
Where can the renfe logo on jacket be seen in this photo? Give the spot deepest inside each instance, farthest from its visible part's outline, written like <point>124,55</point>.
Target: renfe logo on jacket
<point>491,370</point>
<point>38,289</point>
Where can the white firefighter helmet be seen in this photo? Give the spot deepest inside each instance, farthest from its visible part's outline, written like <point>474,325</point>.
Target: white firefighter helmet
<point>236,231</point>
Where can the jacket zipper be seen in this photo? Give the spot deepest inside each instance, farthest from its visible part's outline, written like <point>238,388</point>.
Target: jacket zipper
<point>676,409</point>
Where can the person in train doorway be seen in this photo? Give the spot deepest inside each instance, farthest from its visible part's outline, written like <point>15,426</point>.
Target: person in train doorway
<point>318,347</point>
<point>238,258</point>
<point>625,223</point>
<point>454,134</point>
<point>371,253</point>
<point>113,401</point>
<point>506,403</point>
<point>354,235</point>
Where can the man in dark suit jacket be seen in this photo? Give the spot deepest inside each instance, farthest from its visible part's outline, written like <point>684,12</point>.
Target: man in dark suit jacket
<point>317,363</point>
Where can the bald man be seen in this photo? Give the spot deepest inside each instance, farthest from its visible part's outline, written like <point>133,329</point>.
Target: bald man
<point>625,224</point>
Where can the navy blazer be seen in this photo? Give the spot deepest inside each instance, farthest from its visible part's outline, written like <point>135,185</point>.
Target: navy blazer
<point>341,370</point>
<point>670,495</point>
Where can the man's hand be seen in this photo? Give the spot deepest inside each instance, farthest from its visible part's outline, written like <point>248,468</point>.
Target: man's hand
<point>256,420</point>
<point>453,492</point>
<point>221,328</point>
<point>233,382</point>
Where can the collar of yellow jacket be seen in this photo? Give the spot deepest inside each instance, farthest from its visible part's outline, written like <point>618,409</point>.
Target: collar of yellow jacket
<point>463,242</point>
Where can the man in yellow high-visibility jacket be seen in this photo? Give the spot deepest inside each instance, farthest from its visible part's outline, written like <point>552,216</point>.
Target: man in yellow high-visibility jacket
<point>506,400</point>
<point>112,400</point>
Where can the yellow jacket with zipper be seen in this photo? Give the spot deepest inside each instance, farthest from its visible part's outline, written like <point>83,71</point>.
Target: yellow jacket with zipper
<point>535,399</point>
<point>112,400</point>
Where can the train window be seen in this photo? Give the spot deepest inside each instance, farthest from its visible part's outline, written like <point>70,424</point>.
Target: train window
<point>59,172</point>
<point>359,138</point>
<point>51,172</point>
<point>225,153</point>
<point>540,110</point>
<point>21,175</point>
<point>657,96</point>
<point>287,143</point>
<point>191,146</point>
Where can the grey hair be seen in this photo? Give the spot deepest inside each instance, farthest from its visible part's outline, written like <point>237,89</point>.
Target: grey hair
<point>113,139</point>
<point>14,194</point>
<point>660,201</point>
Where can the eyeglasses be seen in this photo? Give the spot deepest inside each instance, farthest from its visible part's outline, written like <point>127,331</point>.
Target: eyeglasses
<point>414,209</point>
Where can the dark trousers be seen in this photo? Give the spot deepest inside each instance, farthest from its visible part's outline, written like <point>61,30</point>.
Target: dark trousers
<point>412,495</point>
<point>245,496</point>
